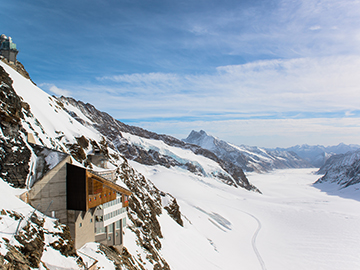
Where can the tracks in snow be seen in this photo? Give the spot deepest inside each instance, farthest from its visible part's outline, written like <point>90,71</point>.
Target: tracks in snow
<point>253,241</point>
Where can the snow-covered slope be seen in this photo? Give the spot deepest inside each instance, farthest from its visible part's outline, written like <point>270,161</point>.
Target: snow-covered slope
<point>128,141</point>
<point>318,154</point>
<point>185,211</point>
<point>78,129</point>
<point>292,225</point>
<point>249,158</point>
<point>27,109</point>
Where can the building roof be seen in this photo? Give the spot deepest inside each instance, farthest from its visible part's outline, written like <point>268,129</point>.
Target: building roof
<point>108,183</point>
<point>46,160</point>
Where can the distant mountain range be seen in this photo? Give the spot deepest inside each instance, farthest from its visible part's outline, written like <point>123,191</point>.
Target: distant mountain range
<point>249,158</point>
<point>317,155</point>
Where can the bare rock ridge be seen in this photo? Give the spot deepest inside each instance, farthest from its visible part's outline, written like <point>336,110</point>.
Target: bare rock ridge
<point>112,129</point>
<point>248,158</point>
<point>14,153</point>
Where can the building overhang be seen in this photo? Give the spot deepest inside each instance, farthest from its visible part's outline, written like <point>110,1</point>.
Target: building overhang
<point>86,190</point>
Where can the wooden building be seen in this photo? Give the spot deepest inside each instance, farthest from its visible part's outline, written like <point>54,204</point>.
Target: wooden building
<point>93,207</point>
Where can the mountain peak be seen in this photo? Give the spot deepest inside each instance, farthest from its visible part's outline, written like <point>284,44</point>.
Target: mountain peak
<point>195,136</point>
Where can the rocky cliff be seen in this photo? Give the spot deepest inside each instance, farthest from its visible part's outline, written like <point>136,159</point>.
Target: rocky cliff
<point>342,170</point>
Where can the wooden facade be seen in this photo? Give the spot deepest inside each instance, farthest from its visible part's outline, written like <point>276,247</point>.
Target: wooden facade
<point>86,190</point>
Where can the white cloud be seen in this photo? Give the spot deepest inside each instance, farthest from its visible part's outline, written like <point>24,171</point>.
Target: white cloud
<point>55,90</point>
<point>141,78</point>
<point>305,85</point>
<point>315,27</point>
<point>234,102</point>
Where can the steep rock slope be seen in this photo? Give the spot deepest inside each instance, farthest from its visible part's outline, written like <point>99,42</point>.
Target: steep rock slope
<point>341,170</point>
<point>247,157</point>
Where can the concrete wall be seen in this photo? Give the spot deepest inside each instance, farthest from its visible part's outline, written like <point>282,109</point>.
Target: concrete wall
<point>10,55</point>
<point>81,226</point>
<point>50,192</point>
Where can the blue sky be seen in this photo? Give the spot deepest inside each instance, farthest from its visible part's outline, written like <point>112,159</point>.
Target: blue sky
<point>264,73</point>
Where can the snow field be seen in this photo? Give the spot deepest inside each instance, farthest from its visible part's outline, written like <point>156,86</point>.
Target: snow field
<point>291,226</point>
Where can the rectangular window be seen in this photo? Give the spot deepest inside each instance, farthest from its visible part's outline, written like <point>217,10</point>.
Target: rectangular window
<point>110,228</point>
<point>118,224</point>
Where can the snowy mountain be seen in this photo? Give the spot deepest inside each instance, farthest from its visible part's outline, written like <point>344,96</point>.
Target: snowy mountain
<point>249,158</point>
<point>341,172</point>
<point>318,154</point>
<point>187,210</point>
<point>79,129</point>
<point>149,148</point>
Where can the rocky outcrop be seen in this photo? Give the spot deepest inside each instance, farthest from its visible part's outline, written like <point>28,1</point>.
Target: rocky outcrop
<point>121,259</point>
<point>173,209</point>
<point>144,208</point>
<point>19,68</point>
<point>14,152</point>
<point>342,170</point>
<point>30,242</point>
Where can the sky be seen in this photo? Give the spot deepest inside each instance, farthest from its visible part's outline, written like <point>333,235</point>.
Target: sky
<point>262,73</point>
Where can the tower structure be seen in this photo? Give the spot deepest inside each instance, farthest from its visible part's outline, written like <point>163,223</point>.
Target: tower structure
<point>8,49</point>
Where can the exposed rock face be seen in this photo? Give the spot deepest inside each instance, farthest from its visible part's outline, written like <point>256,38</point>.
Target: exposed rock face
<point>144,208</point>
<point>173,209</point>
<point>112,129</point>
<point>343,170</point>
<point>27,253</point>
<point>14,153</point>
<point>120,259</point>
<point>248,158</point>
<point>31,237</point>
<point>19,68</point>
